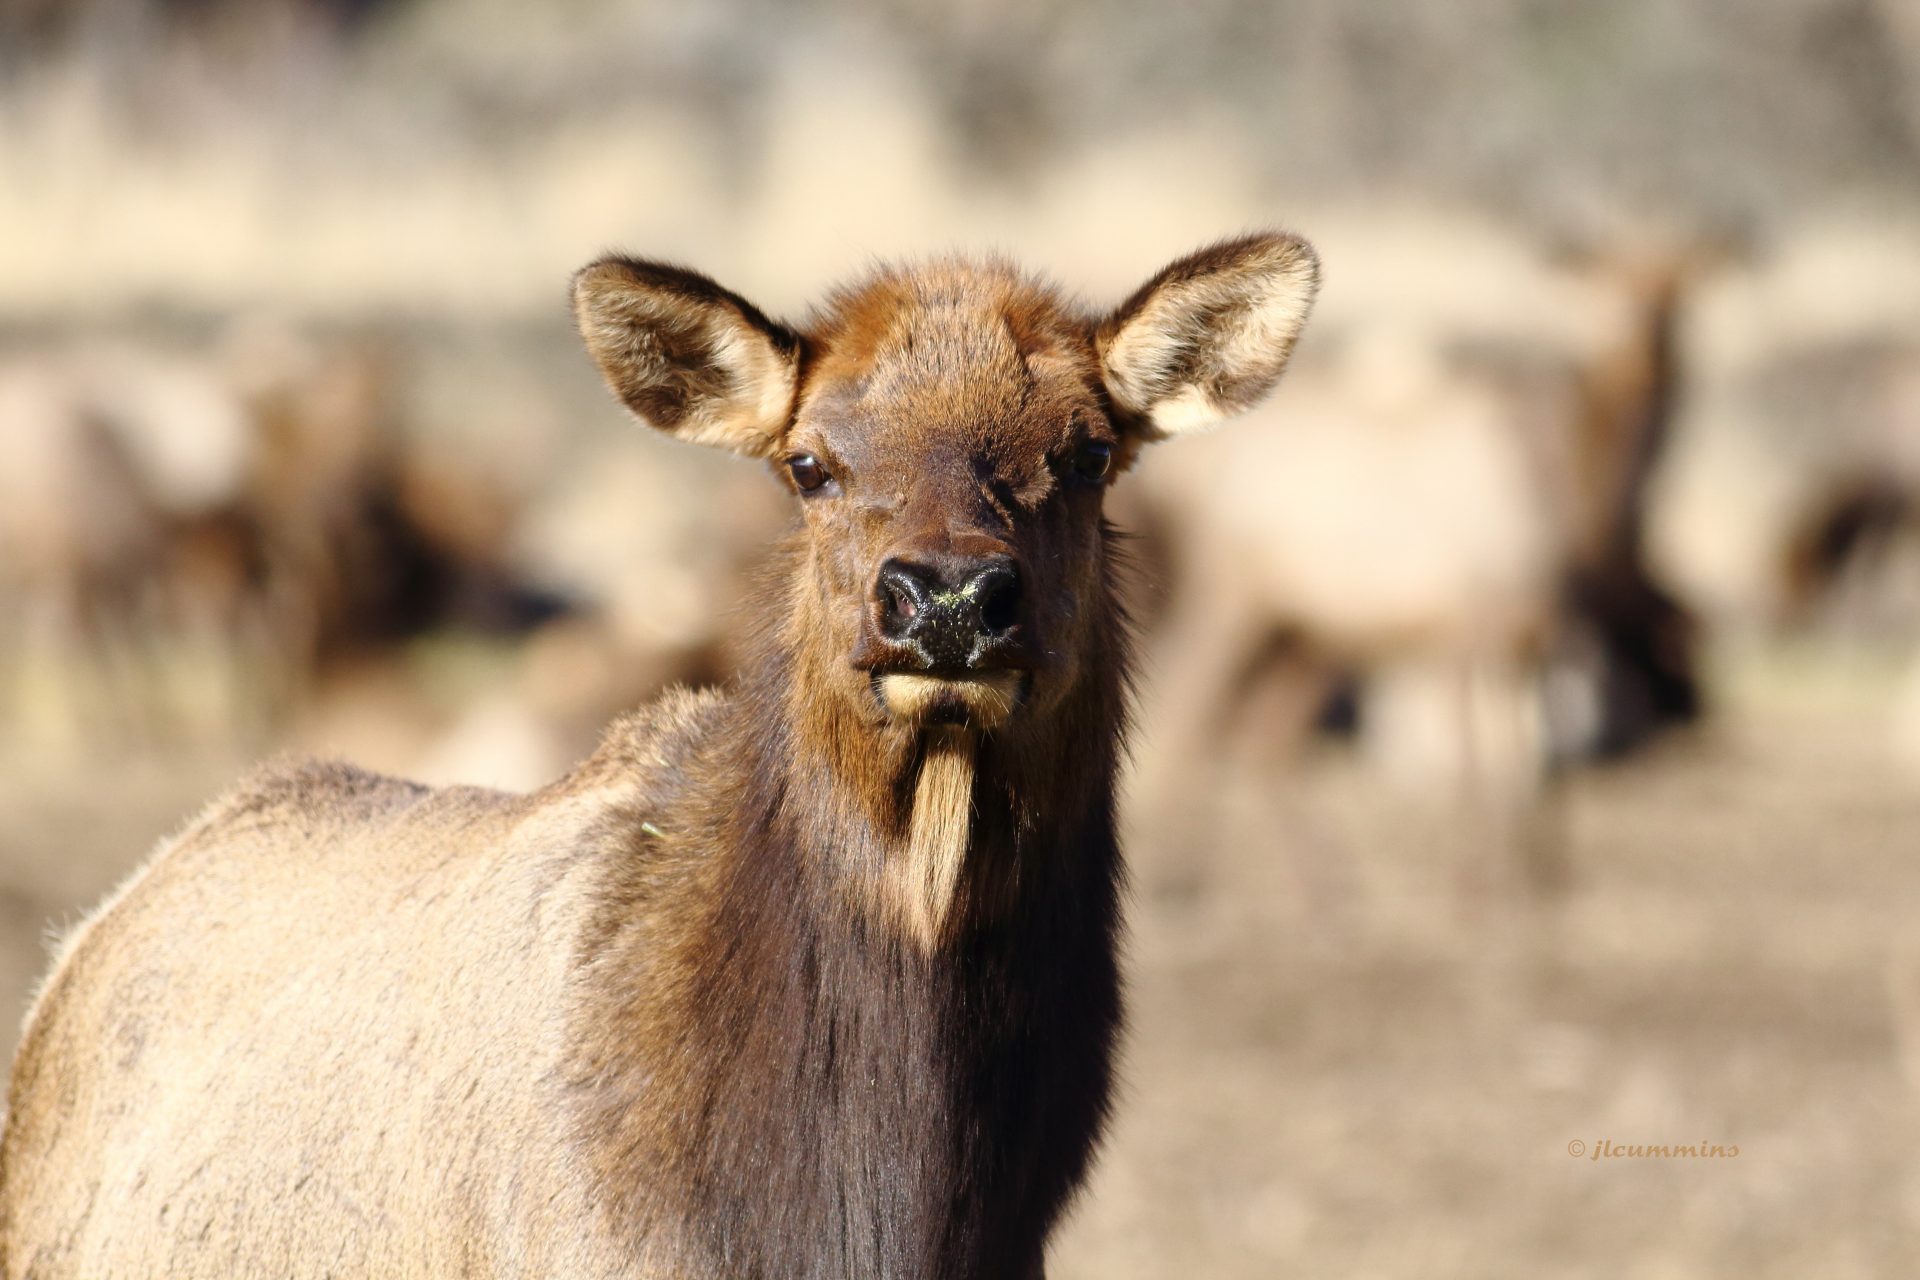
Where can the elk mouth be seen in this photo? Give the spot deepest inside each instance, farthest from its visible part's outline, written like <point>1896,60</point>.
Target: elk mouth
<point>976,699</point>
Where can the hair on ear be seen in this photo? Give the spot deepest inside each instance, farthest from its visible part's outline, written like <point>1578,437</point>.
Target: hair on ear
<point>687,356</point>
<point>1208,336</point>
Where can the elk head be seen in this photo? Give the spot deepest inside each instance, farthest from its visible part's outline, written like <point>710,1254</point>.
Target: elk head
<point>949,430</point>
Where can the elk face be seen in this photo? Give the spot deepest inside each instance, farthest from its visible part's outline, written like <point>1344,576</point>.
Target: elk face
<point>949,432</point>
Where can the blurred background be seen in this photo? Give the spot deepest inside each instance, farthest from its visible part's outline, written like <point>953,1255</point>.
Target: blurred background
<point>1530,745</point>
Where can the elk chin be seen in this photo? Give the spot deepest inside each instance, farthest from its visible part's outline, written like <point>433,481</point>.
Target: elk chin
<point>982,702</point>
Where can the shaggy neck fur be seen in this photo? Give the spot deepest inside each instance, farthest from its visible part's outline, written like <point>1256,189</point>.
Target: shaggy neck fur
<point>854,1016</point>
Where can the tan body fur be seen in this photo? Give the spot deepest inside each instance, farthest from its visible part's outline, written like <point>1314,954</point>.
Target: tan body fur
<point>305,887</point>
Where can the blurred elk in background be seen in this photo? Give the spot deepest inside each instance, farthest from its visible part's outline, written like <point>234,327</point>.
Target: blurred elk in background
<point>1439,537</point>
<point>193,539</point>
<point>1793,504</point>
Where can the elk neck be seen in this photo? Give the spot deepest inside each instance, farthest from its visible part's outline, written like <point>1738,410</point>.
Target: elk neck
<point>835,1087</point>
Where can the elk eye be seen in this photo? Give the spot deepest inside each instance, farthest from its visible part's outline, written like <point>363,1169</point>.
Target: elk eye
<point>807,472</point>
<point>1092,460</point>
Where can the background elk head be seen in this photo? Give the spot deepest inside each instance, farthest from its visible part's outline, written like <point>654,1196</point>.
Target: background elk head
<point>949,431</point>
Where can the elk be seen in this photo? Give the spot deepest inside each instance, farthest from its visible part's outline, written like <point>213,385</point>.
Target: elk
<point>811,976</point>
<point>1453,519</point>
<point>246,509</point>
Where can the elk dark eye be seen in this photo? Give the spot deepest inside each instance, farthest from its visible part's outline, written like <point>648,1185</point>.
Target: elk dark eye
<point>807,472</point>
<point>1092,460</point>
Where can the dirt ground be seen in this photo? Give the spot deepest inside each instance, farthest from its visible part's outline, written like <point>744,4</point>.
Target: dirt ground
<point>1344,1060</point>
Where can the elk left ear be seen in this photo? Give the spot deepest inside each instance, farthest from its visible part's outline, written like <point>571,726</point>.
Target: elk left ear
<point>687,356</point>
<point>1207,337</point>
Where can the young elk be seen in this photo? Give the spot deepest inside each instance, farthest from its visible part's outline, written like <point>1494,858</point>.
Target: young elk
<point>812,977</point>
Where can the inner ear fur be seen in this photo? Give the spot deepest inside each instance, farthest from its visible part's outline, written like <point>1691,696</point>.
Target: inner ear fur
<point>688,356</point>
<point>1207,337</point>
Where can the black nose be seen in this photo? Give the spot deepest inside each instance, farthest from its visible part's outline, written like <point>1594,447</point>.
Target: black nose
<point>952,615</point>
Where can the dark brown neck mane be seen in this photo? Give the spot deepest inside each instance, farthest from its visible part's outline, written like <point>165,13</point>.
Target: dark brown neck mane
<point>775,1079</point>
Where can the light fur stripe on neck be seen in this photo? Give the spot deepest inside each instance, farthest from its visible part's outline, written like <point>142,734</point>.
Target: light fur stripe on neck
<point>926,880</point>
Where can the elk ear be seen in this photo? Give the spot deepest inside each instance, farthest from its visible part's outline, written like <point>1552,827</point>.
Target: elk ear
<point>686,355</point>
<point>1207,337</point>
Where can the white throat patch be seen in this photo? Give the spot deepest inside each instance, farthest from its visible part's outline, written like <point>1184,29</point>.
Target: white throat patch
<point>924,882</point>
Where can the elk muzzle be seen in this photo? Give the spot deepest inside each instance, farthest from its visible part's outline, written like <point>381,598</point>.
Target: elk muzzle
<point>947,634</point>
<point>953,621</point>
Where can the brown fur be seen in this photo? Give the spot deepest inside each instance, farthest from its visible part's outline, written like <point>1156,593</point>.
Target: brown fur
<point>1643,640</point>
<point>789,980</point>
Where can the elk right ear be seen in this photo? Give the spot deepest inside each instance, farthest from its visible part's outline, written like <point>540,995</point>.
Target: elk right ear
<point>1207,337</point>
<point>686,355</point>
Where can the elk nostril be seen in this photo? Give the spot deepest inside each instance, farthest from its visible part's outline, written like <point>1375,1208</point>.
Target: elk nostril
<point>997,596</point>
<point>902,597</point>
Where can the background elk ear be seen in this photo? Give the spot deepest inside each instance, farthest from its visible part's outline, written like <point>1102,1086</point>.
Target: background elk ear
<point>686,355</point>
<point>1207,337</point>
